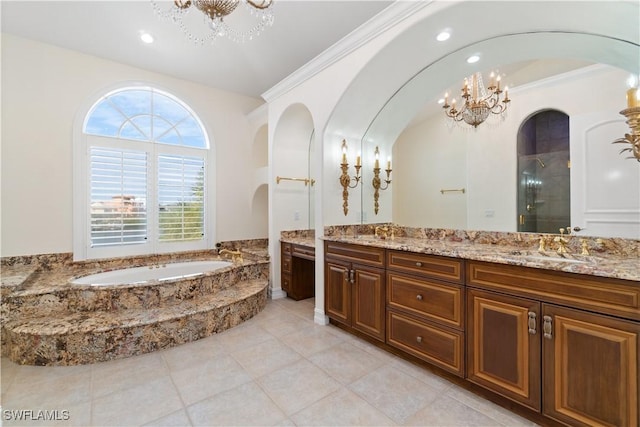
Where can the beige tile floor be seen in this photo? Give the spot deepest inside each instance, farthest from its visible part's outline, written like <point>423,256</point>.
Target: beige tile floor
<point>278,368</point>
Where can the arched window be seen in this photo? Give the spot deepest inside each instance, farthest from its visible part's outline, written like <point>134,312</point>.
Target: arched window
<point>144,176</point>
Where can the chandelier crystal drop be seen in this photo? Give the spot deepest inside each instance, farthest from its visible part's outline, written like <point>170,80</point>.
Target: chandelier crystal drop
<point>214,12</point>
<point>479,102</point>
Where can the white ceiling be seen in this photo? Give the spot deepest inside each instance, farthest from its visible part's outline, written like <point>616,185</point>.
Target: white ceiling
<point>110,29</point>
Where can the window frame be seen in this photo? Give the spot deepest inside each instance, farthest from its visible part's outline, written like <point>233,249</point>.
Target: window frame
<point>82,249</point>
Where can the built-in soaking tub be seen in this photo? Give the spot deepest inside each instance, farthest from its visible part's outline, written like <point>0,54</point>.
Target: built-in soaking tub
<point>159,272</point>
<point>78,314</point>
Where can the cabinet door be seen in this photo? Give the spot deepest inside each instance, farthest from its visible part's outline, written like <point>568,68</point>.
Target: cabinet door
<point>503,345</point>
<point>368,301</point>
<point>337,298</point>
<point>591,368</point>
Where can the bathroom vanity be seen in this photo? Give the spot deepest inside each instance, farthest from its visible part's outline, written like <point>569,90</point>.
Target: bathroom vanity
<point>562,344</point>
<point>297,269</point>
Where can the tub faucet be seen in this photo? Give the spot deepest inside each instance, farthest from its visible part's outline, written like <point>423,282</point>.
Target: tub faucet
<point>236,256</point>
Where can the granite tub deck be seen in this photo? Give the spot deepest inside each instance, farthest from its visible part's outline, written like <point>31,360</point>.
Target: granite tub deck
<point>46,320</point>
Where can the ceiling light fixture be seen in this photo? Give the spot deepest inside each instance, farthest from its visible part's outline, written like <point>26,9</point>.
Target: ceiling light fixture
<point>214,13</point>
<point>473,59</point>
<point>444,35</point>
<point>478,101</point>
<point>146,37</point>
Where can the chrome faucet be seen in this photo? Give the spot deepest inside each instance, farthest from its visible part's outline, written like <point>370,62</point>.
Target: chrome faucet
<point>236,256</point>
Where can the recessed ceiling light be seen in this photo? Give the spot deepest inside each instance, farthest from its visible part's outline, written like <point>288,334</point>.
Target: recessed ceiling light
<point>443,36</point>
<point>473,59</point>
<point>146,37</point>
<point>441,101</point>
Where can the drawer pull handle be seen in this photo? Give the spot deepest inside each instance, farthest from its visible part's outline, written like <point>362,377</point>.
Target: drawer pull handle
<point>547,327</point>
<point>419,339</point>
<point>532,323</point>
<point>418,264</point>
<point>419,297</point>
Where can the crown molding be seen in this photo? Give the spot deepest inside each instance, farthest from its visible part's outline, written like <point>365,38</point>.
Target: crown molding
<point>571,75</point>
<point>387,18</point>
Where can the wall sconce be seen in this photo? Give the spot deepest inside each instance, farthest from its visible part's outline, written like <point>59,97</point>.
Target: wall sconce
<point>377,182</point>
<point>345,178</point>
<point>632,113</point>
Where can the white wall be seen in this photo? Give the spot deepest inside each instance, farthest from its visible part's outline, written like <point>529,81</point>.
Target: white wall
<point>43,88</point>
<point>431,156</point>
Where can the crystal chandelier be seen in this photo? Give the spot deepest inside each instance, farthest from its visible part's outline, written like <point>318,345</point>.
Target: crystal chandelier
<point>479,101</point>
<point>214,12</point>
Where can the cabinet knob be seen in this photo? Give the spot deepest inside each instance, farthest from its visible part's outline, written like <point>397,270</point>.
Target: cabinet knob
<point>418,264</point>
<point>419,339</point>
<point>419,297</point>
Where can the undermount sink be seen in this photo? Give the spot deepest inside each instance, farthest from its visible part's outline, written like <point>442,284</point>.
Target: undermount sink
<point>538,258</point>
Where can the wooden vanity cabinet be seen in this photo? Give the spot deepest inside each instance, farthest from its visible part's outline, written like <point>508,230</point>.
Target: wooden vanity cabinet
<point>285,266</point>
<point>591,367</point>
<point>503,345</point>
<point>527,341</point>
<point>425,309</point>
<point>355,287</point>
<point>297,270</point>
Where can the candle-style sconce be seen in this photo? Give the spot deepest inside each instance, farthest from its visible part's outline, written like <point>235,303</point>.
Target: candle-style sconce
<point>632,113</point>
<point>377,182</point>
<point>345,178</point>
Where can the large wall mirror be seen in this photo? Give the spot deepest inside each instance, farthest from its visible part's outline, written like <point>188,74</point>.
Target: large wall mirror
<point>431,155</point>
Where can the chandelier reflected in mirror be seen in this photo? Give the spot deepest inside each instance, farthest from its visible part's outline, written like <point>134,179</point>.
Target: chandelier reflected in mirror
<point>478,102</point>
<point>214,12</point>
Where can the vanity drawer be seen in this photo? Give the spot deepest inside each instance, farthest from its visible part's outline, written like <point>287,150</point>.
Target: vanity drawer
<point>437,301</point>
<point>438,267</point>
<point>285,282</point>
<point>305,252</point>
<point>442,347</point>
<point>355,253</point>
<point>600,294</point>
<point>285,258</point>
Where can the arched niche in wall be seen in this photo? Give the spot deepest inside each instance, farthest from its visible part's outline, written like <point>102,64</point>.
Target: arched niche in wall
<point>260,148</point>
<point>260,157</point>
<point>291,159</point>
<point>260,209</point>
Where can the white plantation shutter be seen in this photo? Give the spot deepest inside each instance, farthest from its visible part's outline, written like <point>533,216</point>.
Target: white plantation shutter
<point>140,168</point>
<point>180,198</point>
<point>118,212</point>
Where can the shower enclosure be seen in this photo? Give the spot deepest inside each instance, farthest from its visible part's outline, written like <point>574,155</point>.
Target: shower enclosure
<point>543,173</point>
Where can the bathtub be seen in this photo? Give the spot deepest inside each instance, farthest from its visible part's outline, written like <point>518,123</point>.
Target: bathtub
<point>139,275</point>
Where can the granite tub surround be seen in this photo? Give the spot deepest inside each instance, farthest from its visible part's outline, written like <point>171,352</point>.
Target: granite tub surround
<point>46,320</point>
<point>608,257</point>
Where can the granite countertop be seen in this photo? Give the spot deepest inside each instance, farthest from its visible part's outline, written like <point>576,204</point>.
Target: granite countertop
<point>604,265</point>
<point>309,242</point>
